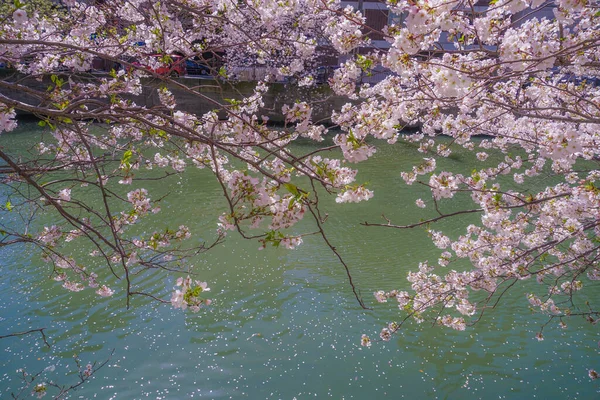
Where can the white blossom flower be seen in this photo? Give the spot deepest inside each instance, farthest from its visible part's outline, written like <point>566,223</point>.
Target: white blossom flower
<point>365,341</point>
<point>20,17</point>
<point>105,291</point>
<point>65,194</point>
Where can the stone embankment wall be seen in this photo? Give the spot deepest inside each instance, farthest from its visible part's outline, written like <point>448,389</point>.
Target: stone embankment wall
<point>194,95</point>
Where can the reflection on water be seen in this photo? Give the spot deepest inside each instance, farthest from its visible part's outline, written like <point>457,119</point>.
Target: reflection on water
<point>284,324</point>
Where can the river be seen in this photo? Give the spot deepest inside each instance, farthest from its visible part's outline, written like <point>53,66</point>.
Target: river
<point>284,324</point>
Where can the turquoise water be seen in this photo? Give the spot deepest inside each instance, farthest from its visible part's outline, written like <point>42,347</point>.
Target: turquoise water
<point>284,324</point>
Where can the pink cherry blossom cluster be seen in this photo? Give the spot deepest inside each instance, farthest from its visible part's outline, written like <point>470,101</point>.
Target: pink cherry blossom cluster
<point>187,294</point>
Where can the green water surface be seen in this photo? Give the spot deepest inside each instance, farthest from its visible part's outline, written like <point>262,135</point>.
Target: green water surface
<point>284,324</point>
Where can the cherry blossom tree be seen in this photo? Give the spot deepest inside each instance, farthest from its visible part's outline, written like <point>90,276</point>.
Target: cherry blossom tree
<point>516,78</point>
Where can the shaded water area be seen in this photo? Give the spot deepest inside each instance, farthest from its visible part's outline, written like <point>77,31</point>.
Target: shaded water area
<point>284,324</point>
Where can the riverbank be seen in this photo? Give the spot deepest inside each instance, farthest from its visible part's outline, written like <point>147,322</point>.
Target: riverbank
<point>196,95</point>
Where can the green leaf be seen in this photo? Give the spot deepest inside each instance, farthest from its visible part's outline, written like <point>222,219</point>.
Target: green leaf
<point>126,158</point>
<point>233,102</point>
<point>293,189</point>
<point>364,63</point>
<point>352,139</point>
